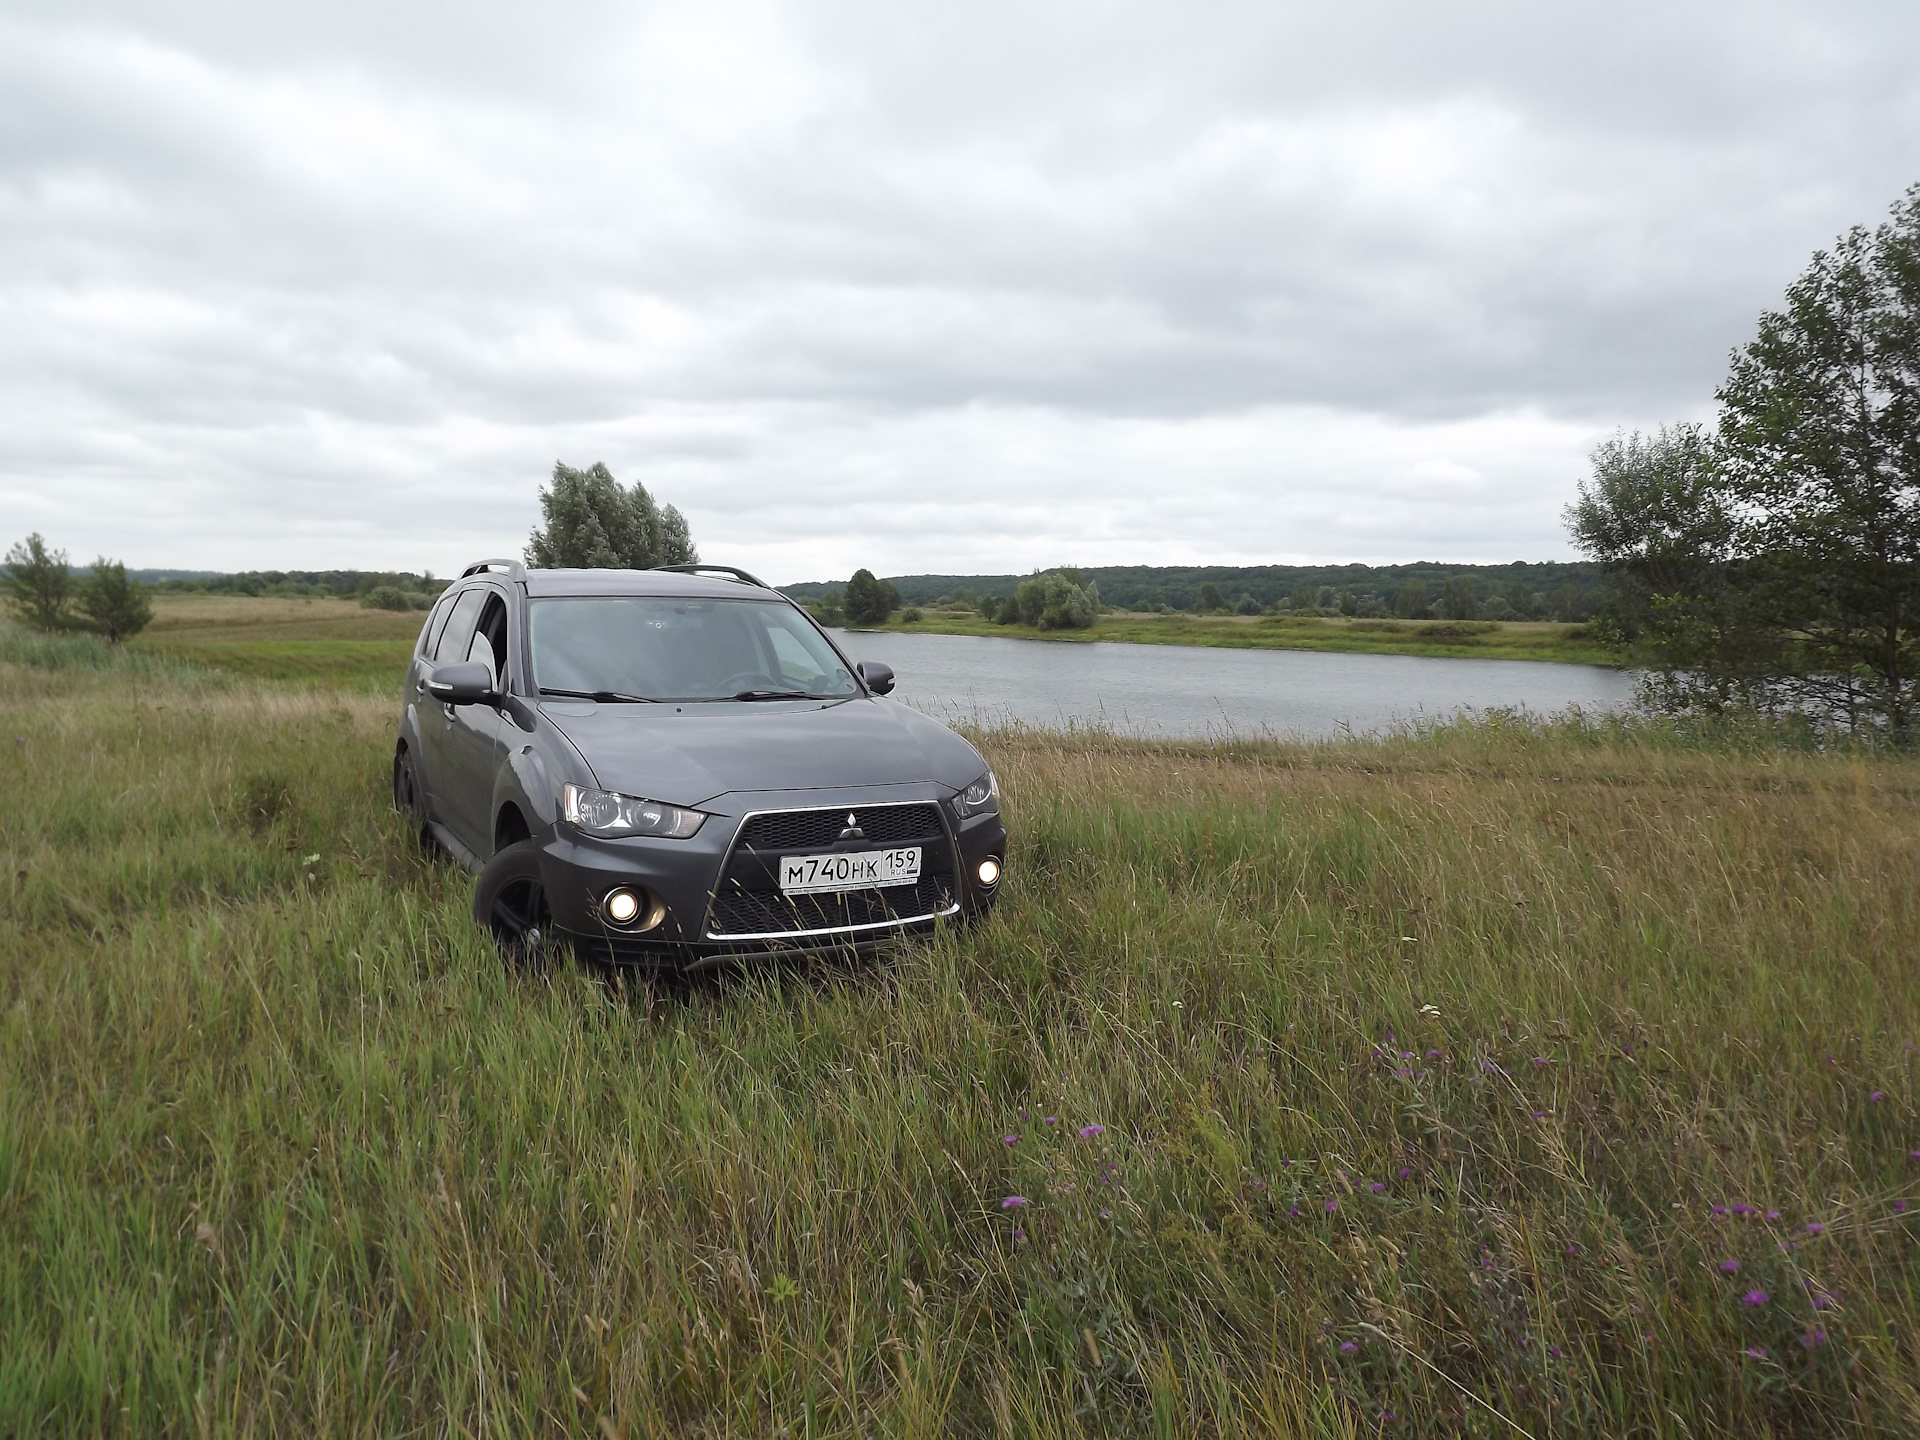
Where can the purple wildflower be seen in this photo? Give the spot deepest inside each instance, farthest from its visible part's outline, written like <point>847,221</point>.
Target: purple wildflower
<point>1018,1233</point>
<point>1772,1215</point>
<point>1743,1209</point>
<point>1876,1097</point>
<point>1087,1132</point>
<point>1347,1347</point>
<point>1405,1171</point>
<point>1821,1302</point>
<point>1730,1267</point>
<point>1377,1186</point>
<point>1541,1061</point>
<point>1403,1073</point>
<point>1332,1205</point>
<point>1433,1054</point>
<point>1053,1119</point>
<point>1573,1249</point>
<point>1106,1214</point>
<point>1294,1211</point>
<point>1814,1339</point>
<point>1756,1352</point>
<point>1013,1202</point>
<point>1719,1212</point>
<point>1541,1114</point>
<point>1554,1351</point>
<point>1754,1297</point>
<point>1913,1154</point>
<point>1815,1227</point>
<point>1009,1139</point>
<point>1899,1207</point>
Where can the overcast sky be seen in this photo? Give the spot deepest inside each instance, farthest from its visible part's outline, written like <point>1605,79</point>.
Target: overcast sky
<point>920,287</point>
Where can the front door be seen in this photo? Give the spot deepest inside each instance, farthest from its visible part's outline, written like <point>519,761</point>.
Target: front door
<point>475,743</point>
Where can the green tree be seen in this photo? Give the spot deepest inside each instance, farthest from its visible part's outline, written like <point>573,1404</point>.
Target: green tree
<point>869,601</point>
<point>38,583</point>
<point>1210,599</point>
<point>1661,517</point>
<point>1349,603</point>
<point>593,523</point>
<point>1457,599</point>
<point>1411,603</point>
<point>1820,429</point>
<point>114,604</point>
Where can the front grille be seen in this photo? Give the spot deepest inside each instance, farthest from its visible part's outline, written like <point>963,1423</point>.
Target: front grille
<point>817,829</point>
<point>749,900</point>
<point>760,912</point>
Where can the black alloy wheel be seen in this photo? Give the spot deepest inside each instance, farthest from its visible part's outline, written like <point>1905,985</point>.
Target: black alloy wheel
<point>410,798</point>
<point>510,901</point>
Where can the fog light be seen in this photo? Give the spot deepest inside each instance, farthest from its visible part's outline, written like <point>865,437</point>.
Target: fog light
<point>989,871</point>
<point>622,907</point>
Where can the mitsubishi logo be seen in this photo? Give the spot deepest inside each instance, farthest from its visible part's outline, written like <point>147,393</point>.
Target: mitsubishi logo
<point>853,830</point>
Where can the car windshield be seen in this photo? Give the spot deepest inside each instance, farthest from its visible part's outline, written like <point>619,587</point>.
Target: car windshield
<point>651,648</point>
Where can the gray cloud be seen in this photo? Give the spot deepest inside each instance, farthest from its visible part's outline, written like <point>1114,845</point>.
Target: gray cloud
<point>856,283</point>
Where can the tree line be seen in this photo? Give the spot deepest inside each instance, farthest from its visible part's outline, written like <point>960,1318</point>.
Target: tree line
<point>1568,592</point>
<point>1770,562</point>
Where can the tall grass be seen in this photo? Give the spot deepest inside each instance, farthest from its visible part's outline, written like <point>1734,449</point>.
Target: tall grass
<point>1421,1064</point>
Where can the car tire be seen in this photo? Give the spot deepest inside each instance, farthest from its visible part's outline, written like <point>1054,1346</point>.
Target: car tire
<point>510,904</point>
<point>410,799</point>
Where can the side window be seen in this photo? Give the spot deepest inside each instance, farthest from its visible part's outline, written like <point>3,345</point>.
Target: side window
<point>436,622</point>
<point>458,634</point>
<point>489,645</point>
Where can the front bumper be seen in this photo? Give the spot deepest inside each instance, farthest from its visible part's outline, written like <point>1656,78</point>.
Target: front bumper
<point>721,893</point>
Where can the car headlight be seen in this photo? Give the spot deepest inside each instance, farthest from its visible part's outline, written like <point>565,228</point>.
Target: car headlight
<point>978,798</point>
<point>601,812</point>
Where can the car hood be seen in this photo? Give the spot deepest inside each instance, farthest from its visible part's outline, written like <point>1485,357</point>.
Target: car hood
<point>693,754</point>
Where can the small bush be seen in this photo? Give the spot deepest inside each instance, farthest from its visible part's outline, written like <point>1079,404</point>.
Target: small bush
<point>910,615</point>
<point>392,597</point>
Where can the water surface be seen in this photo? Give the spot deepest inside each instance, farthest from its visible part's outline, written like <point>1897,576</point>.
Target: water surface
<point>1168,690</point>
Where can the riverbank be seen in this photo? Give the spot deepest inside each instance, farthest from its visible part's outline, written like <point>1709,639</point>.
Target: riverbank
<point>1556,1072</point>
<point>1478,639</point>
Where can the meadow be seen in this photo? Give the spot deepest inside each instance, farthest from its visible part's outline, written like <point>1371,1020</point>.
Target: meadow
<point>1477,639</point>
<point>1506,1079</point>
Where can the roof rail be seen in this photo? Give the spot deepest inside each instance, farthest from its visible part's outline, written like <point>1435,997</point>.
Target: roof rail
<point>515,570</point>
<point>743,576</point>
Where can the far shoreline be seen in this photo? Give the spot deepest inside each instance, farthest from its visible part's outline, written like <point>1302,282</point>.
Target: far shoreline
<point>1530,640</point>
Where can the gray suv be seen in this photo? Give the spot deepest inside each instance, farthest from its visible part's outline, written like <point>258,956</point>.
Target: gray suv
<point>672,767</point>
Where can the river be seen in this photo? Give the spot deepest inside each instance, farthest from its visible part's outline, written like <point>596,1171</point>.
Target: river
<point>1187,690</point>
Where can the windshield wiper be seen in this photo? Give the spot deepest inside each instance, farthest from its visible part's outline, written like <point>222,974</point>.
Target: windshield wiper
<point>605,697</point>
<point>782,695</point>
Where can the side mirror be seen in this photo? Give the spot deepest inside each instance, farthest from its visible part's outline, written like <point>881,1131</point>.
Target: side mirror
<point>468,683</point>
<point>879,677</point>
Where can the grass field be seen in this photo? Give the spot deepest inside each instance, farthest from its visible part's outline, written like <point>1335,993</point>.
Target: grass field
<point>1479,639</point>
<point>335,643</point>
<point>1421,1086</point>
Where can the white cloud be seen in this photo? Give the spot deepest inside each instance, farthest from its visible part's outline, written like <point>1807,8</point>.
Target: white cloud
<point>905,286</point>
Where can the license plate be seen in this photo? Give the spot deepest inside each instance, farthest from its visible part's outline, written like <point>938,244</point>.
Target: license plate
<point>871,869</point>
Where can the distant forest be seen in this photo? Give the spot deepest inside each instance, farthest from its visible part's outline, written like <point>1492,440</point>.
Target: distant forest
<point>1148,587</point>
<point>1570,590</point>
<point>298,584</point>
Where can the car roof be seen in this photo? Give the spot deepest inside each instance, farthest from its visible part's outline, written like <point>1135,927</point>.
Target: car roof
<point>643,582</point>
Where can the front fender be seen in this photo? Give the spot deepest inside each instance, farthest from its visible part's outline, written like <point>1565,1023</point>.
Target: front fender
<point>526,782</point>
